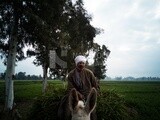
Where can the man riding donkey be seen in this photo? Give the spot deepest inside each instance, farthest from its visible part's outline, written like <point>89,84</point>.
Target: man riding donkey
<point>81,79</point>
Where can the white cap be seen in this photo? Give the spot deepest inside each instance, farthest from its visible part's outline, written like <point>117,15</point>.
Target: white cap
<point>80,58</point>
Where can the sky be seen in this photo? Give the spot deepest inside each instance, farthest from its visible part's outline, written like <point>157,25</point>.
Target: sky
<point>131,33</point>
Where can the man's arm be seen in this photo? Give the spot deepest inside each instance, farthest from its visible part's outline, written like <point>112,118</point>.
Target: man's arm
<point>70,83</point>
<point>94,82</point>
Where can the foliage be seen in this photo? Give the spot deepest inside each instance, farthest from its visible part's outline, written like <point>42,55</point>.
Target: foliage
<point>70,29</point>
<point>99,66</point>
<point>111,106</point>
<point>45,107</point>
<point>22,76</point>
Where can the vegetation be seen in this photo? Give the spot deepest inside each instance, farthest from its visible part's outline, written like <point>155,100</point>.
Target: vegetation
<point>22,76</point>
<point>111,106</point>
<point>43,25</point>
<point>140,96</point>
<point>134,100</point>
<point>45,106</point>
<point>134,79</point>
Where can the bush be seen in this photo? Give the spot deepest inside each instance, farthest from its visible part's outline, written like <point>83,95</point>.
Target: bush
<point>110,106</point>
<point>45,107</point>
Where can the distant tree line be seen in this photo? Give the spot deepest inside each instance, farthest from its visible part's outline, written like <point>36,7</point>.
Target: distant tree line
<point>133,78</point>
<point>22,76</point>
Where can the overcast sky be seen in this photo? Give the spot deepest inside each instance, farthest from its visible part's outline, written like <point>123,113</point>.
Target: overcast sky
<point>131,32</point>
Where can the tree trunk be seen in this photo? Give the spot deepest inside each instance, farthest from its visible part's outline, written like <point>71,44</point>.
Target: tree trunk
<point>9,74</point>
<point>10,69</point>
<point>45,68</point>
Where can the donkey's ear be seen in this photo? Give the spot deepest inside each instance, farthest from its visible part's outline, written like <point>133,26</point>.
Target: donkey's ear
<point>91,101</point>
<point>73,99</point>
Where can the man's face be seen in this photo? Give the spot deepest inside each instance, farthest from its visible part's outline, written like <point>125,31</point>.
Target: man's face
<point>80,65</point>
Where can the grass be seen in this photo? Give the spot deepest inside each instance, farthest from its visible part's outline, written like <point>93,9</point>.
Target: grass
<point>144,97</point>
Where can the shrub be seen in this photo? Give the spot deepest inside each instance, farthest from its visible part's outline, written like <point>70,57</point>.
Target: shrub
<point>45,107</point>
<point>110,106</point>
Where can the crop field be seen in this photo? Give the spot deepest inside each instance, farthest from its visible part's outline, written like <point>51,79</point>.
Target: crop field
<point>143,97</point>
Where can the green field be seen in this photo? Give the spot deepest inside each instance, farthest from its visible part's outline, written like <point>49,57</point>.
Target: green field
<point>143,97</point>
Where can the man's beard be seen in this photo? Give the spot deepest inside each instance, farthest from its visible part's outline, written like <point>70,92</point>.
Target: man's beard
<point>80,67</point>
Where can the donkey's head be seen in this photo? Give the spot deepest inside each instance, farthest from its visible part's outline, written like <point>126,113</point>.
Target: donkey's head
<point>79,109</point>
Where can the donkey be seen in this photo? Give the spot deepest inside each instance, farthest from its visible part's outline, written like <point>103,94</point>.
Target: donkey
<point>79,109</point>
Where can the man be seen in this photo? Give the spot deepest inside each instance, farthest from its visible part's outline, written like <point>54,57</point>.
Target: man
<point>82,79</point>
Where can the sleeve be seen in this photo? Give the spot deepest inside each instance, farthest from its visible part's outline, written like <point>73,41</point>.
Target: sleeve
<point>94,82</point>
<point>70,83</point>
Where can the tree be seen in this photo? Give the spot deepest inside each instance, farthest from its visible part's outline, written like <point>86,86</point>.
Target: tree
<point>73,30</point>
<point>47,36</point>
<point>44,25</point>
<point>21,76</point>
<point>9,32</point>
<point>78,32</point>
<point>22,23</point>
<point>100,58</point>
